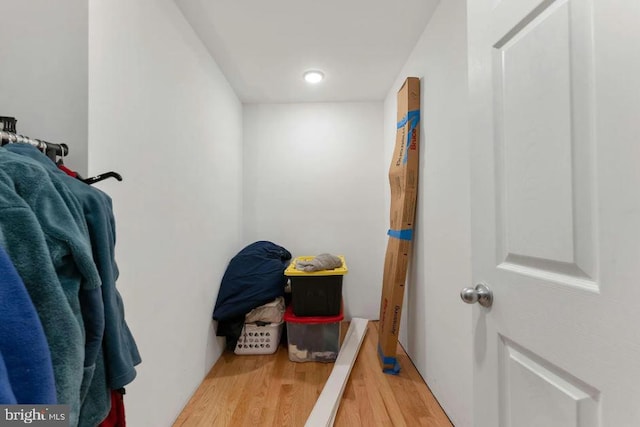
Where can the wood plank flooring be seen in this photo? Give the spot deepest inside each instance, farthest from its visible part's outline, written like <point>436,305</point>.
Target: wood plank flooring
<point>270,390</point>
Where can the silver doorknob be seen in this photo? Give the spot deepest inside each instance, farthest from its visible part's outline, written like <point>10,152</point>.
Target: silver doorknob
<point>481,294</point>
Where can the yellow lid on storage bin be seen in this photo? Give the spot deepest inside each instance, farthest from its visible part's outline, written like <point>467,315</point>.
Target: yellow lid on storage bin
<point>292,271</point>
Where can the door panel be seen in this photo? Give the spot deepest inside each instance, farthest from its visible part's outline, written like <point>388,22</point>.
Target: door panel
<point>534,131</point>
<point>543,165</point>
<point>535,392</point>
<point>555,149</point>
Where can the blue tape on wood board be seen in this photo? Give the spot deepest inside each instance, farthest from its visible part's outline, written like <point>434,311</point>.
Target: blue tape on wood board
<point>388,361</point>
<point>406,234</point>
<point>412,117</point>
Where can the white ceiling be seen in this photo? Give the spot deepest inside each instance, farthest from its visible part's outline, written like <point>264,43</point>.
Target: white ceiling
<point>264,46</point>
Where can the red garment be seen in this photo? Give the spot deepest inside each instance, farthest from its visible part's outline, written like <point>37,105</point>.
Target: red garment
<point>68,171</point>
<point>116,415</point>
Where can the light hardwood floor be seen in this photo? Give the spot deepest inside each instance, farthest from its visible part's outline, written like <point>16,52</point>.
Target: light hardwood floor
<point>269,390</point>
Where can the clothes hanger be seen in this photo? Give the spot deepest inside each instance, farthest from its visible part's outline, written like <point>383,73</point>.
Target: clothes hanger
<point>102,177</point>
<point>92,180</point>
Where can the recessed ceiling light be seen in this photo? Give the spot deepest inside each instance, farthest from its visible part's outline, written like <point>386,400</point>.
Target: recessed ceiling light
<point>313,77</point>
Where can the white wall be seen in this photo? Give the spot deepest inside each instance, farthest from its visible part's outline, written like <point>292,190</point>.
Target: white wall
<point>43,72</point>
<point>312,184</point>
<point>436,325</point>
<point>162,114</point>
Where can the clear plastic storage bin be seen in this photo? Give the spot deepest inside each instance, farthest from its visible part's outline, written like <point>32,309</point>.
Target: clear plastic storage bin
<point>313,339</point>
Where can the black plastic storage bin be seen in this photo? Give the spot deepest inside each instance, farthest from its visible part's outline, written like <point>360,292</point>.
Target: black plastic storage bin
<point>317,293</point>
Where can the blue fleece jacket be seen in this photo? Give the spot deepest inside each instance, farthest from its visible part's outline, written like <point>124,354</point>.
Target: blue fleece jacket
<point>95,396</point>
<point>22,341</point>
<point>90,296</point>
<point>24,241</point>
<point>68,244</point>
<point>119,347</point>
<point>119,353</point>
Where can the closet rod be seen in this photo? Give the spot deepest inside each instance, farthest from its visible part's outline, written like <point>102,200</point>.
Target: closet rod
<point>48,147</point>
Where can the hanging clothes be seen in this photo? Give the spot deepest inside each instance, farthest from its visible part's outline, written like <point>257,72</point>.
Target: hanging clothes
<point>23,344</point>
<point>97,207</point>
<point>18,224</point>
<point>90,296</point>
<point>119,355</point>
<point>60,217</point>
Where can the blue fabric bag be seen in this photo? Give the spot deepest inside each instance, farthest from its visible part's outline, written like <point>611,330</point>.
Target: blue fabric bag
<point>255,276</point>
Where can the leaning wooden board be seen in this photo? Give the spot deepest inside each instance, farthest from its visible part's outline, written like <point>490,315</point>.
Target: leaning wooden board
<point>403,179</point>
<point>326,407</point>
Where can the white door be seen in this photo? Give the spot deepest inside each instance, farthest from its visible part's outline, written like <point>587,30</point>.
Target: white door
<point>555,140</point>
